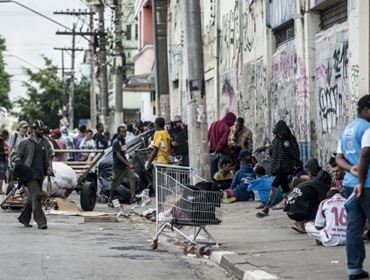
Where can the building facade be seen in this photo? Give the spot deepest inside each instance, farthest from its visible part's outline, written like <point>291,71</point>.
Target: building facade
<point>303,61</point>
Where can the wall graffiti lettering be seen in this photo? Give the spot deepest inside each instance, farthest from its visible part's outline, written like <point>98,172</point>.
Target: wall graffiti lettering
<point>249,29</point>
<point>333,99</point>
<point>302,101</point>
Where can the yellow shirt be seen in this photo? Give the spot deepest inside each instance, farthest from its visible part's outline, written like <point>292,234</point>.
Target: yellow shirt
<point>162,142</point>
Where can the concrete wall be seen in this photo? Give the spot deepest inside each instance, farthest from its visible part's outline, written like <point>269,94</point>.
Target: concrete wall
<point>312,81</point>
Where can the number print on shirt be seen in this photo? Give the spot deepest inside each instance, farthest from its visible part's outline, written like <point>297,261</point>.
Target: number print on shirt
<point>340,218</point>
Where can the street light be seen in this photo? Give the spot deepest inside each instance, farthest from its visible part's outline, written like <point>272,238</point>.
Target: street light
<point>36,12</point>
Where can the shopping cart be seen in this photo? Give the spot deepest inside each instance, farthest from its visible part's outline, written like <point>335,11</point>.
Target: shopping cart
<point>185,199</point>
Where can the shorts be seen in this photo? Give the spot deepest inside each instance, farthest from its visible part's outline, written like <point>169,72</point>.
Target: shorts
<point>3,168</point>
<point>120,174</point>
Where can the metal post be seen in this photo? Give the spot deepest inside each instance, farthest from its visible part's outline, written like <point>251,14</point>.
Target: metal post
<point>161,58</point>
<point>104,110</point>
<point>92,74</point>
<point>72,84</point>
<point>119,73</point>
<point>198,129</point>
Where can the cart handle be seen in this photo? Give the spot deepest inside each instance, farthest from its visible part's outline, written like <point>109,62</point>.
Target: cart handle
<point>77,151</point>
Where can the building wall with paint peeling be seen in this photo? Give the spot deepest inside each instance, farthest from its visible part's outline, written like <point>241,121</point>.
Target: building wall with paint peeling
<point>248,72</point>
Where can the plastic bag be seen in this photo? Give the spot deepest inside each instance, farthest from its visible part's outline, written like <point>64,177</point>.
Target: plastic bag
<point>64,179</point>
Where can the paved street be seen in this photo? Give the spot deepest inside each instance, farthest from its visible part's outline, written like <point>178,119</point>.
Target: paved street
<point>271,245</point>
<point>71,249</point>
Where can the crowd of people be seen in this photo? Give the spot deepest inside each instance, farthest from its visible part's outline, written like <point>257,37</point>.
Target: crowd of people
<point>314,198</point>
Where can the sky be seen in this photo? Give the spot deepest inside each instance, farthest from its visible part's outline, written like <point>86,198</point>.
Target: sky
<point>29,36</point>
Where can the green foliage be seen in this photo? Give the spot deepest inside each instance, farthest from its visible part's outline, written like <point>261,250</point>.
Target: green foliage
<point>82,101</point>
<point>4,79</point>
<point>46,98</point>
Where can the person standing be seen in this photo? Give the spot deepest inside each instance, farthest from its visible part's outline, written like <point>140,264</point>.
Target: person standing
<point>18,135</point>
<point>353,155</point>
<point>101,142</point>
<point>161,144</point>
<point>218,135</point>
<point>121,166</point>
<point>77,141</point>
<point>179,140</point>
<point>36,153</point>
<point>285,155</point>
<point>87,143</point>
<point>3,157</point>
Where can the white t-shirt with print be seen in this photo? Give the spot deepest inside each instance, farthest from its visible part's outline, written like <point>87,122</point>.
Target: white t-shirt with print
<point>333,217</point>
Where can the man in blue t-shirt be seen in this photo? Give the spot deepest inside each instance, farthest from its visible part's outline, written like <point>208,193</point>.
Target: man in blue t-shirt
<point>121,166</point>
<point>353,155</point>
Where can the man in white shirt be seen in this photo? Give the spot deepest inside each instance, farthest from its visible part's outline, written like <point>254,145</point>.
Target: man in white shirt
<point>330,225</point>
<point>19,135</point>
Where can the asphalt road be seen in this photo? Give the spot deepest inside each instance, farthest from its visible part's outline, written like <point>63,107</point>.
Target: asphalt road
<point>72,249</point>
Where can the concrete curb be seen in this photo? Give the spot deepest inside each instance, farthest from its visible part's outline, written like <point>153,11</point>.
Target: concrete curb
<point>239,267</point>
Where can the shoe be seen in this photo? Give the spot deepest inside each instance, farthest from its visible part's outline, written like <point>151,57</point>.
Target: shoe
<point>362,275</point>
<point>42,226</point>
<point>27,225</point>
<point>229,200</point>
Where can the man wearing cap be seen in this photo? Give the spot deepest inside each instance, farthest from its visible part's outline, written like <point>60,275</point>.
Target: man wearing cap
<point>18,135</point>
<point>179,140</point>
<point>35,153</point>
<point>353,155</point>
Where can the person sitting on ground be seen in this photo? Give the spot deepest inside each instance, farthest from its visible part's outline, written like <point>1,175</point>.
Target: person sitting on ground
<point>338,177</point>
<point>310,171</point>
<point>239,186</point>
<point>303,201</point>
<point>240,137</point>
<point>261,187</point>
<point>329,228</point>
<point>88,143</point>
<point>285,155</point>
<point>225,174</point>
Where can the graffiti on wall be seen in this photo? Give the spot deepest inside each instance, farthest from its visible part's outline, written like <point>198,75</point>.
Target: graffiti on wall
<point>249,29</point>
<point>229,43</point>
<point>355,82</point>
<point>283,85</point>
<point>332,89</point>
<point>228,91</point>
<point>302,101</point>
<point>252,102</point>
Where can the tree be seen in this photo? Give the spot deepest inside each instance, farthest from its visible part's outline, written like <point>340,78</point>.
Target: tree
<point>82,100</point>
<point>4,79</point>
<point>45,96</point>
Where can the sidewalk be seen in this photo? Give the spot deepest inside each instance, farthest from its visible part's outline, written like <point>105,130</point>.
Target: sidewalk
<point>270,245</point>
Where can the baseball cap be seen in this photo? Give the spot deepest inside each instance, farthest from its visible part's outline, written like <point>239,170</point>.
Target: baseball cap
<point>364,102</point>
<point>22,124</point>
<point>38,124</point>
<point>177,118</point>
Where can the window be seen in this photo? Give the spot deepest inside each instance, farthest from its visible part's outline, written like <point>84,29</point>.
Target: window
<point>128,32</point>
<point>284,34</point>
<point>136,32</point>
<point>334,15</point>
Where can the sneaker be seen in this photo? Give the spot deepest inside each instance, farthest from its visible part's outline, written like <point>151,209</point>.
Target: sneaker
<point>361,275</point>
<point>229,200</point>
<point>44,226</point>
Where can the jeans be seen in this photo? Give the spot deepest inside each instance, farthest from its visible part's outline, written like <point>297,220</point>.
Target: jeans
<point>357,214</point>
<point>214,161</point>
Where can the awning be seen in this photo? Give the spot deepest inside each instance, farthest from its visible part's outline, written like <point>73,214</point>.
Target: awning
<point>143,82</point>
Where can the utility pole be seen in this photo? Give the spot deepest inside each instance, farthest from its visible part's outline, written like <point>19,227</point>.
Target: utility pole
<point>73,57</point>
<point>161,58</point>
<point>103,73</point>
<point>197,109</point>
<point>92,72</point>
<point>119,59</point>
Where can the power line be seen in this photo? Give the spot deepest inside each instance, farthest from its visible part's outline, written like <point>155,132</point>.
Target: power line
<point>23,60</point>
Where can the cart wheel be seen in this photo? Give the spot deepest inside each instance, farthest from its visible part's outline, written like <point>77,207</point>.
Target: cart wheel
<point>189,249</point>
<point>204,251</point>
<point>154,244</point>
<point>88,196</point>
